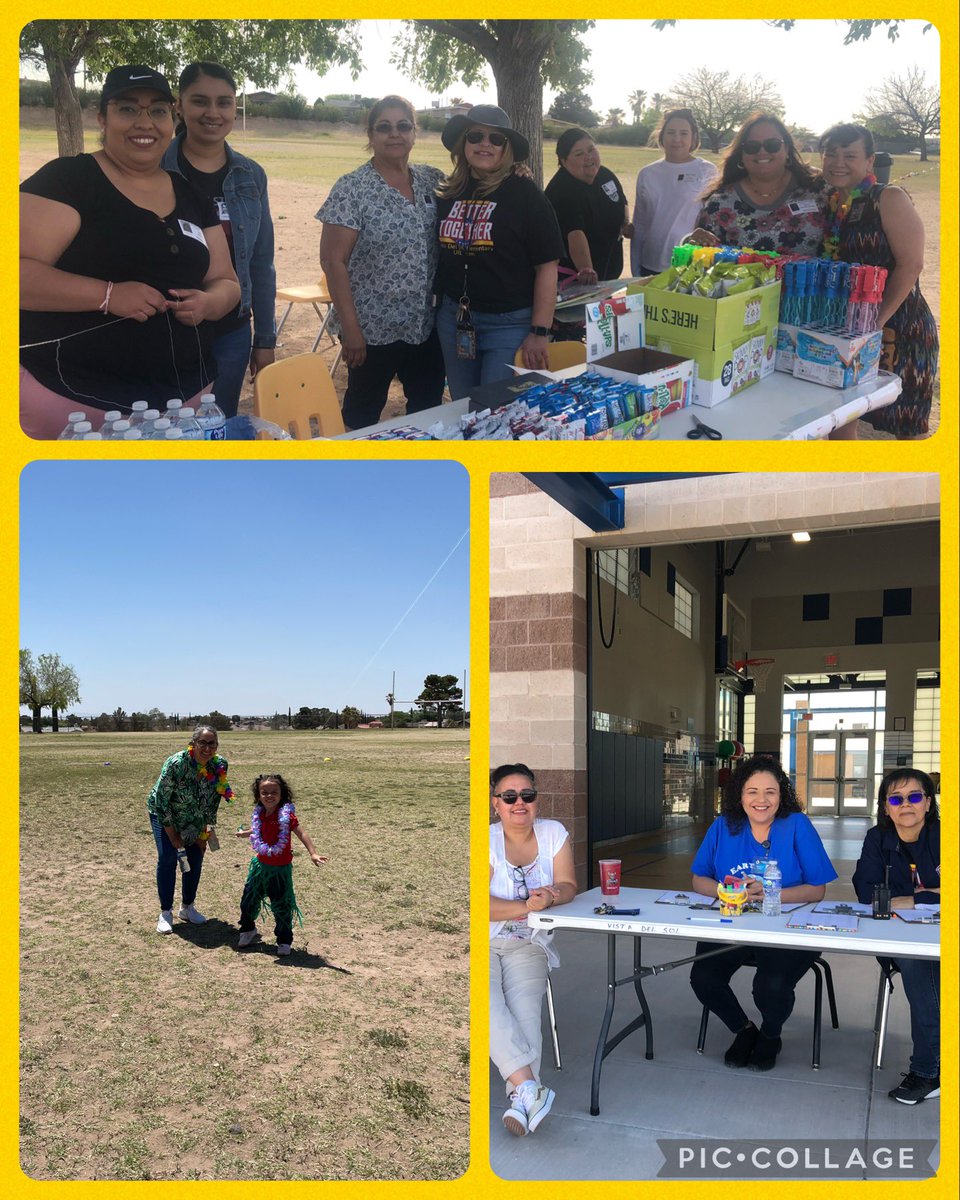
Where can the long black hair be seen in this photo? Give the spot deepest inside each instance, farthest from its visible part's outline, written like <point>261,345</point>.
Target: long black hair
<point>731,806</point>
<point>894,779</point>
<point>196,70</point>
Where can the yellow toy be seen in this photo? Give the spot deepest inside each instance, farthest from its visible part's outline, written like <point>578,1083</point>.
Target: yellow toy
<point>733,896</point>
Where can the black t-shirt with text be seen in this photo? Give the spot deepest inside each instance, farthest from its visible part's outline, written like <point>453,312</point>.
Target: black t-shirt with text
<point>596,209</point>
<point>492,244</point>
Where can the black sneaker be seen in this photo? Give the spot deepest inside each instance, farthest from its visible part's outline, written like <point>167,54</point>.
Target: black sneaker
<point>765,1051</point>
<point>742,1047</point>
<point>914,1089</point>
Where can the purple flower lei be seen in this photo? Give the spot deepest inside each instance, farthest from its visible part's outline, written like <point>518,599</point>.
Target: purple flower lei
<point>264,848</point>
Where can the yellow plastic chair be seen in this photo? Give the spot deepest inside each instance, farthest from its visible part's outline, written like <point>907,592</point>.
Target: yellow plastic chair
<point>560,355</point>
<point>297,393</point>
<point>317,295</point>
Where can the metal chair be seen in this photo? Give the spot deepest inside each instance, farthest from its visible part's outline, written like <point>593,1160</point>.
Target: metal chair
<point>888,968</point>
<point>560,355</point>
<point>298,394</point>
<point>317,295</point>
<point>821,965</point>
<point>552,1014</point>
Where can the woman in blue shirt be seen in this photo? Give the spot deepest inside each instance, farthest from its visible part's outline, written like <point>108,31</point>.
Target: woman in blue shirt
<point>760,818</point>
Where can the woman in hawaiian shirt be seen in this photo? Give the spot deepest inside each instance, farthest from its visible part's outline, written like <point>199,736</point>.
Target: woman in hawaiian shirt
<point>183,814</point>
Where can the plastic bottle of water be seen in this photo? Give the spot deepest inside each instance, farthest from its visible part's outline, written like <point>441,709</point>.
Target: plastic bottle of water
<point>93,437</point>
<point>132,435</point>
<point>109,419</point>
<point>173,434</point>
<point>69,431</point>
<point>160,427</point>
<point>772,880</point>
<point>137,413</point>
<point>190,426</point>
<point>81,429</point>
<point>117,430</point>
<point>173,410</point>
<point>150,418</point>
<point>211,419</point>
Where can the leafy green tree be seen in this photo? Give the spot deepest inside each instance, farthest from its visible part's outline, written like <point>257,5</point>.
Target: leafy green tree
<point>350,717</point>
<point>260,51</point>
<point>59,686</point>
<point>903,106</point>
<point>30,691</point>
<point>574,107</point>
<point>721,103</point>
<point>119,720</point>
<point>440,694</point>
<point>523,55</point>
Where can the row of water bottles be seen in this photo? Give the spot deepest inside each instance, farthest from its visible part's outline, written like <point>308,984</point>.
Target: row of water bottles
<point>178,422</point>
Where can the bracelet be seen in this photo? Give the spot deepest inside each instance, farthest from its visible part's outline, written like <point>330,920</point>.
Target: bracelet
<point>105,306</point>
<point>539,330</point>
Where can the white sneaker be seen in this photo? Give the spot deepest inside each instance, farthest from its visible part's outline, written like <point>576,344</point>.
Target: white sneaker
<point>282,948</point>
<point>165,923</point>
<point>248,937</point>
<point>515,1118</point>
<point>189,913</point>
<point>537,1100</point>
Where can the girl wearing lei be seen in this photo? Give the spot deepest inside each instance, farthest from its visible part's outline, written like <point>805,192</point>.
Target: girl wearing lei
<point>877,225</point>
<point>183,815</point>
<point>270,878</point>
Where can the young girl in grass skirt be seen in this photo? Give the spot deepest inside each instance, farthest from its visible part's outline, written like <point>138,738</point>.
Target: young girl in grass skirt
<point>270,878</point>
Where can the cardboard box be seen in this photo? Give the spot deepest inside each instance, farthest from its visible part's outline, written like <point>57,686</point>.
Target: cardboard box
<point>709,324</point>
<point>722,372</point>
<point>634,430</point>
<point>670,375</point>
<point>834,359</point>
<point>786,347</point>
<point>614,325</point>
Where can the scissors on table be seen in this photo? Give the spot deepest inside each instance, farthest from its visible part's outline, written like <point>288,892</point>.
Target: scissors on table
<point>700,430</point>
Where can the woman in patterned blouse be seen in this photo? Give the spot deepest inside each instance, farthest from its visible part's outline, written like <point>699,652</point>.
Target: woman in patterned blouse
<point>767,198</point>
<point>183,813</point>
<point>378,252</point>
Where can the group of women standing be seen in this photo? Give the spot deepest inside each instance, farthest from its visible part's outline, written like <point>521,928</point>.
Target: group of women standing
<point>174,232</point>
<point>531,868</point>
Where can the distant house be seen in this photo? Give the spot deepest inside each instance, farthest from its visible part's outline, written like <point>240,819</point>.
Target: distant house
<point>348,105</point>
<point>261,98</point>
<point>446,111</point>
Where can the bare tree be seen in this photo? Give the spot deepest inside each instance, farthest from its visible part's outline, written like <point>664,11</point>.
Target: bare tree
<point>905,105</point>
<point>721,104</point>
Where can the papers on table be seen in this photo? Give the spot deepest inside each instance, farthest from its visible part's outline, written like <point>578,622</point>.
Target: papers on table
<point>922,914</point>
<point>687,900</point>
<point>837,923</point>
<point>846,908</point>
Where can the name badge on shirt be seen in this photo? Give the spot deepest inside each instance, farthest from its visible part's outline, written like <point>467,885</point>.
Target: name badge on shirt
<point>193,231</point>
<point>807,205</point>
<point>429,200</point>
<point>222,211</point>
<point>610,189</point>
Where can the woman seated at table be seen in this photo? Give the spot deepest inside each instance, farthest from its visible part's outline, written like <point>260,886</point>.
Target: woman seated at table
<point>591,211</point>
<point>877,225</point>
<point>124,269</point>
<point>767,198</point>
<point>760,819</point>
<point>499,249</point>
<point>531,868</point>
<point>906,838</point>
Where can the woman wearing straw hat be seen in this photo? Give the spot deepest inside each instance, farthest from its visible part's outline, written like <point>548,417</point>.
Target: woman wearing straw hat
<point>499,249</point>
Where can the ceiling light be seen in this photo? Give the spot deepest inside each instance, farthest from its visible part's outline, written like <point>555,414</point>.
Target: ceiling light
<point>801,536</point>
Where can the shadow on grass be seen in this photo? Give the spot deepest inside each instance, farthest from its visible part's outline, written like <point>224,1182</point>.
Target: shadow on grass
<point>214,934</point>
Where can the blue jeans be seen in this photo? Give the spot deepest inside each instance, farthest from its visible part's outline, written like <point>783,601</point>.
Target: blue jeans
<point>921,983</point>
<point>499,336</point>
<point>232,356</point>
<point>167,868</point>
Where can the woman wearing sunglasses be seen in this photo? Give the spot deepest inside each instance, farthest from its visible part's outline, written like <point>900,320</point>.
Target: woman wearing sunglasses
<point>531,868</point>
<point>499,249</point>
<point>378,251</point>
<point>906,839</point>
<point>767,198</point>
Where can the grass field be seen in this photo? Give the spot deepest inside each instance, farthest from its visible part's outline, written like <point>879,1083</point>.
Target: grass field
<point>180,1057</point>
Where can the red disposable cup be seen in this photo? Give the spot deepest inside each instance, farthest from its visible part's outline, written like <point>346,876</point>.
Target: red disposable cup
<point>610,876</point>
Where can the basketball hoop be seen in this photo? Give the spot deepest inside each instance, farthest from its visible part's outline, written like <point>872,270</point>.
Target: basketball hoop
<point>759,671</point>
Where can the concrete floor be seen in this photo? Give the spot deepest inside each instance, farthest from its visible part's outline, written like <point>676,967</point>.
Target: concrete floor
<point>682,1094</point>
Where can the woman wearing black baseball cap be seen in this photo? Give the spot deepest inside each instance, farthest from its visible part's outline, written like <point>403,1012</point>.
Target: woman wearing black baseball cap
<point>123,269</point>
<point>499,249</point>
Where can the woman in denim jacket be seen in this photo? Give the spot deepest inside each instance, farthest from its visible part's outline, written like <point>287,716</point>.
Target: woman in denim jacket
<point>238,186</point>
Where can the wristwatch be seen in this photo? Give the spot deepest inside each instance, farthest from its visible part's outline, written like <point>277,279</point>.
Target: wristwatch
<point>539,330</point>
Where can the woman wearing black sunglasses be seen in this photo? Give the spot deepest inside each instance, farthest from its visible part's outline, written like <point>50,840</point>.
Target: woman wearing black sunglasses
<point>531,868</point>
<point>378,252</point>
<point>904,846</point>
<point>767,197</point>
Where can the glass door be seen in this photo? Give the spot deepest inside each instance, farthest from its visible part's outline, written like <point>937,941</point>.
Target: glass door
<point>840,774</point>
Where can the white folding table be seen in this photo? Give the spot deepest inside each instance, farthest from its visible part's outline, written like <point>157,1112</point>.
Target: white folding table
<point>890,939</point>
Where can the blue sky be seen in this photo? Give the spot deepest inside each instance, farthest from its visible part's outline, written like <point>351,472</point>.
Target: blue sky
<point>243,586</point>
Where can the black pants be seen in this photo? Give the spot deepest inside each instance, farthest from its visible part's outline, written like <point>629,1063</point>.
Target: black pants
<point>418,367</point>
<point>282,913</point>
<point>774,984</point>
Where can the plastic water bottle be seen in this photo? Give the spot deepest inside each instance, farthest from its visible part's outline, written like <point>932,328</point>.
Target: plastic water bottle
<point>109,420</point>
<point>150,418</point>
<point>772,881</point>
<point>137,413</point>
<point>173,434</point>
<point>173,410</point>
<point>212,419</point>
<point>117,430</point>
<point>132,435</point>
<point>189,426</point>
<point>159,430</point>
<point>69,431</point>
<point>93,436</point>
<point>81,429</point>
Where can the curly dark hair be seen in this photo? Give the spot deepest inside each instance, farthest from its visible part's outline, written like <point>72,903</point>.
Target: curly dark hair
<point>286,791</point>
<point>731,806</point>
<point>506,769</point>
<point>896,778</point>
<point>734,170</point>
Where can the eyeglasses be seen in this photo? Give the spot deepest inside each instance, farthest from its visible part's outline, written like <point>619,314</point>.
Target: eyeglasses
<point>130,111</point>
<point>913,798</point>
<point>771,145</point>
<point>528,795</point>
<point>205,744</point>
<point>387,127</point>
<point>476,136</point>
<point>520,879</point>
